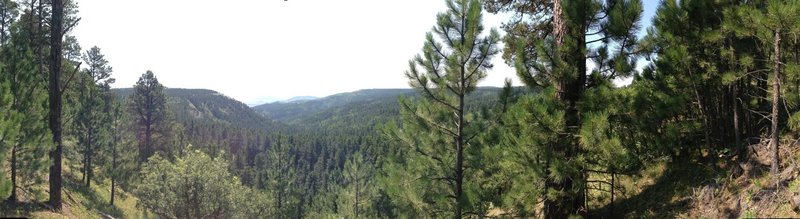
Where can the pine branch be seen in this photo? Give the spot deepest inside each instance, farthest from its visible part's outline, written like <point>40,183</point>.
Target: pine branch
<point>69,81</point>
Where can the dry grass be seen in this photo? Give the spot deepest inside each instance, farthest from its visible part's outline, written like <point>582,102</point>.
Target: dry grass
<point>79,202</point>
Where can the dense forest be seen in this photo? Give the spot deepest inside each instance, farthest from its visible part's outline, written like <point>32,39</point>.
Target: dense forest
<point>707,128</point>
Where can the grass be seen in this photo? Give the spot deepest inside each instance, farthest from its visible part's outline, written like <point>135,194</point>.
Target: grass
<point>697,189</point>
<point>78,201</point>
<point>660,191</point>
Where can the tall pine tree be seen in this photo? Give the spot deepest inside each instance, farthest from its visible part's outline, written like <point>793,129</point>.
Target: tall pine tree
<point>9,124</point>
<point>28,98</point>
<point>773,26</point>
<point>358,192</point>
<point>149,107</point>
<point>441,135</point>
<point>92,121</point>
<point>55,98</point>
<point>122,156</point>
<point>549,43</point>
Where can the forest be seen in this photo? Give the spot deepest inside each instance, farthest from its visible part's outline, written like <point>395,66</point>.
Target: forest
<point>708,127</point>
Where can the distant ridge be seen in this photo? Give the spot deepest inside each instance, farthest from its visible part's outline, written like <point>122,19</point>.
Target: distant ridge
<point>195,105</point>
<point>298,99</point>
<point>372,105</point>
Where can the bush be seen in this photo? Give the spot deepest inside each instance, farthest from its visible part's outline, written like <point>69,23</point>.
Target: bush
<point>196,186</point>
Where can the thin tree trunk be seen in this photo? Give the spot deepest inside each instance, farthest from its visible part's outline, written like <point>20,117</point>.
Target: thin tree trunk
<point>611,206</point>
<point>89,149</point>
<point>89,170</point>
<point>13,198</point>
<point>459,139</point>
<point>39,38</point>
<point>776,94</point>
<point>113,190</point>
<point>743,153</point>
<point>145,153</point>
<point>56,23</point>
<point>3,26</point>
<point>355,208</point>
<point>114,163</point>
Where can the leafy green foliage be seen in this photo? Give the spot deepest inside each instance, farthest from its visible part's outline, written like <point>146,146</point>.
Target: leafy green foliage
<point>195,186</point>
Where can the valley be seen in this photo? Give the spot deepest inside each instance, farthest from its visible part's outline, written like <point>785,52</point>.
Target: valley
<point>500,109</point>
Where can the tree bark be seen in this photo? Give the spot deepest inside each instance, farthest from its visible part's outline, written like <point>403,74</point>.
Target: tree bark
<point>114,163</point>
<point>56,24</point>
<point>776,94</point>
<point>743,153</point>
<point>88,164</point>
<point>459,140</point>
<point>13,198</point>
<point>570,88</point>
<point>113,188</point>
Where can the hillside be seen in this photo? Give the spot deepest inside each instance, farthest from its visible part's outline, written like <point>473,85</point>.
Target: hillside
<point>79,202</point>
<point>365,108</point>
<point>294,112</point>
<point>203,105</point>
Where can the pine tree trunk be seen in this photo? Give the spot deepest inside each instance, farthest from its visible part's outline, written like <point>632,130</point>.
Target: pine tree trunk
<point>89,171</point>
<point>13,198</point>
<point>355,207</point>
<point>459,139</point>
<point>145,152</point>
<point>90,132</point>
<point>113,190</point>
<point>39,38</point>
<point>3,27</point>
<point>776,94</point>
<point>56,24</point>
<point>114,163</point>
<point>743,153</point>
<point>570,91</point>
<point>553,208</point>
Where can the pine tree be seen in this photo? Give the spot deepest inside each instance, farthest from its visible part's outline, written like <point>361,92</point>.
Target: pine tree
<point>358,191</point>
<point>438,129</point>
<point>92,119</point>
<point>278,176</point>
<point>28,98</point>
<point>55,91</point>
<point>123,156</point>
<point>9,125</point>
<point>8,14</point>
<point>774,25</point>
<point>549,43</point>
<point>149,106</point>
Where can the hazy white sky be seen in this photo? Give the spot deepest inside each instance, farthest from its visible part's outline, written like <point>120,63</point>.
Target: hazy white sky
<point>251,49</point>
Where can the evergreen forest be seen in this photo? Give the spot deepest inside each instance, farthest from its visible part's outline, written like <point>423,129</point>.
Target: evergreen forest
<point>707,127</point>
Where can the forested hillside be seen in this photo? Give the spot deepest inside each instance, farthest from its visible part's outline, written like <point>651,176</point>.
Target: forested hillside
<point>201,105</point>
<point>707,127</point>
<point>361,111</point>
<point>296,112</point>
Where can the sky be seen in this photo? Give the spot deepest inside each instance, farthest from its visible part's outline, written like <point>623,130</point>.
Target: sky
<point>265,50</point>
